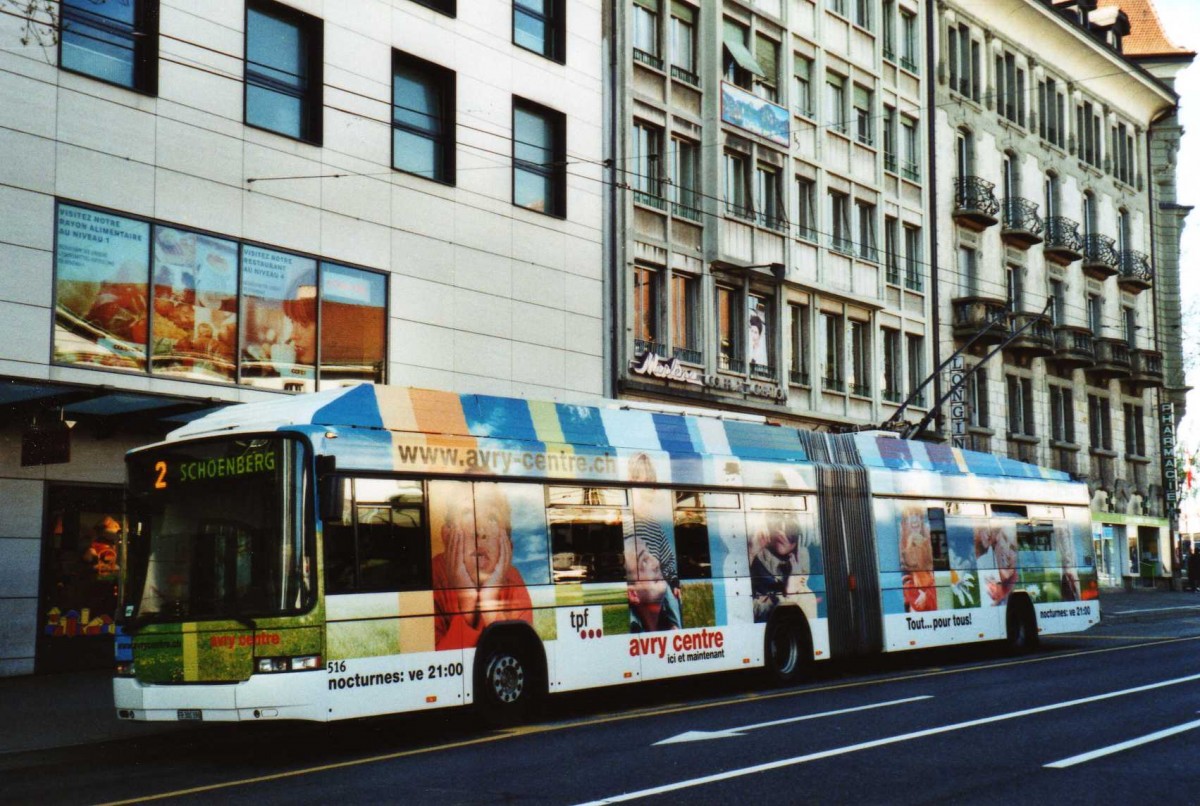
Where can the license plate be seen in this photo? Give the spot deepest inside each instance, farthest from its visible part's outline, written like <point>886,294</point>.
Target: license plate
<point>190,715</point>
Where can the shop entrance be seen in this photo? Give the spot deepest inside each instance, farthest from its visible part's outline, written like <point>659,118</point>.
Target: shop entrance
<point>80,551</point>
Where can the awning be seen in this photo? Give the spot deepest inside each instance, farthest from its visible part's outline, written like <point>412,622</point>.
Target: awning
<point>744,57</point>
<point>24,400</point>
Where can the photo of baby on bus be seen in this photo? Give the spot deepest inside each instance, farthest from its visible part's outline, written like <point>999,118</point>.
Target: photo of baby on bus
<point>476,580</point>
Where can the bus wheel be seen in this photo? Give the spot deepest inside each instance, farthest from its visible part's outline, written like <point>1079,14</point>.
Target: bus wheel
<point>1022,633</point>
<point>787,649</point>
<point>505,685</point>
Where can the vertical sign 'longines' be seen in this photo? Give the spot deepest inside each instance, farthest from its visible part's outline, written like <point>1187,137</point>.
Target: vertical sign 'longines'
<point>958,403</point>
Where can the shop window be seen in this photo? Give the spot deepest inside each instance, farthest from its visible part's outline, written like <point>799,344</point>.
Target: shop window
<point>80,567</point>
<point>284,82</point>
<point>101,290</point>
<point>279,301</point>
<point>213,307</point>
<point>353,325</point>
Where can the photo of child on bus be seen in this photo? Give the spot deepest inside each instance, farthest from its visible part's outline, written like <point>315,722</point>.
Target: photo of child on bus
<point>779,564</point>
<point>475,582</point>
<point>916,561</point>
<point>651,568</point>
<point>996,555</point>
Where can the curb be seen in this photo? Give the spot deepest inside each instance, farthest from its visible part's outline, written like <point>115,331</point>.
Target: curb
<point>1148,614</point>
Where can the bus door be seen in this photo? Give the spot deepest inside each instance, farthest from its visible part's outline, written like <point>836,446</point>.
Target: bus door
<point>851,566</point>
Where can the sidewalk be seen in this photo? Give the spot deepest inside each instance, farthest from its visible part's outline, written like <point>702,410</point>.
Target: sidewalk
<point>71,709</point>
<point>1146,604</point>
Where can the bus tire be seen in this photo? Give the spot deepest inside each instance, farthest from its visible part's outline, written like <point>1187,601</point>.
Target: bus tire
<point>787,649</point>
<point>1022,632</point>
<point>507,681</point>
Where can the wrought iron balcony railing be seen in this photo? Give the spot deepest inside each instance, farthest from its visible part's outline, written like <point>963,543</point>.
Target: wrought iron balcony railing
<point>1022,224</point>
<point>975,202</point>
<point>1135,272</point>
<point>648,59</point>
<point>1063,242</point>
<point>1099,256</point>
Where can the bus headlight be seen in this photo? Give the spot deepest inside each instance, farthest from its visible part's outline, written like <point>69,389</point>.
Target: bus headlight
<point>125,668</point>
<point>301,663</point>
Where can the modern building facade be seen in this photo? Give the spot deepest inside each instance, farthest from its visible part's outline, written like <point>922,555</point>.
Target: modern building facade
<point>210,203</point>
<point>1050,256</point>
<point>770,251</point>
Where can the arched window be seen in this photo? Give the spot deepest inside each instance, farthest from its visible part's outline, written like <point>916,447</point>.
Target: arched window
<point>965,153</point>
<point>1089,214</point>
<point>1012,175</point>
<point>1052,195</point>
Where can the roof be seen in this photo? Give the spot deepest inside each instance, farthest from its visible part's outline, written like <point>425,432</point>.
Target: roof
<point>400,428</point>
<point>1146,36</point>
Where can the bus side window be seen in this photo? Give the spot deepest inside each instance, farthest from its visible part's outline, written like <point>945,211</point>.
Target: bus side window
<point>586,545</point>
<point>338,544</point>
<point>691,538</point>
<point>393,542</point>
<point>381,543</point>
<point>937,539</point>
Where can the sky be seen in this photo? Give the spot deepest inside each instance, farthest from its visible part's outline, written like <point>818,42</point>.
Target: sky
<point>1181,19</point>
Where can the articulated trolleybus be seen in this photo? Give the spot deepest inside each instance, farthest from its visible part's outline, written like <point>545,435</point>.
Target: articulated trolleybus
<point>375,550</point>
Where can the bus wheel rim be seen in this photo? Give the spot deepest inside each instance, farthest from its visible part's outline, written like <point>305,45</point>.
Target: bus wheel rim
<point>785,652</point>
<point>508,678</point>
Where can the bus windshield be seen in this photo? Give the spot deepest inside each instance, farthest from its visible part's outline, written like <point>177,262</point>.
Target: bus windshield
<point>217,532</point>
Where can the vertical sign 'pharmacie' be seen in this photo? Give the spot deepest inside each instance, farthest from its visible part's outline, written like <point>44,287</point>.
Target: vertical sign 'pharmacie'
<point>1166,430</point>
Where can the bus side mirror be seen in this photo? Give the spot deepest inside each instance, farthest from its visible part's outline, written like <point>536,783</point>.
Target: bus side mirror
<point>331,496</point>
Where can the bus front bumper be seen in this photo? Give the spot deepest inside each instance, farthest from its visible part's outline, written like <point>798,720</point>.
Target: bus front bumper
<point>283,695</point>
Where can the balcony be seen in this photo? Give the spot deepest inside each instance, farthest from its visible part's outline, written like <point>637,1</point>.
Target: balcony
<point>798,377</point>
<point>1112,359</point>
<point>762,372</point>
<point>643,346</point>
<point>833,384</point>
<point>1063,242</point>
<point>647,58</point>
<point>1074,347</point>
<point>1147,369</point>
<point>1135,272</point>
<point>688,355</point>
<point>1099,257</point>
<point>973,314</point>
<point>1022,226</point>
<point>1037,339</point>
<point>975,205</point>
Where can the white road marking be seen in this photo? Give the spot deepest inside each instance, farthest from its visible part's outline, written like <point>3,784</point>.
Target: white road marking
<point>701,735</point>
<point>1117,748</point>
<point>904,737</point>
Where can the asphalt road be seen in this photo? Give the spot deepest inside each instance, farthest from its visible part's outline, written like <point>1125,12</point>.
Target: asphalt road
<point>1109,716</point>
